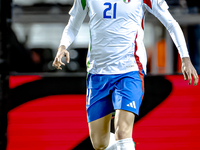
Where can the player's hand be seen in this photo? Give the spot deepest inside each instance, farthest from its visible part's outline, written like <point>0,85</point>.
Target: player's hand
<point>189,71</point>
<point>62,52</point>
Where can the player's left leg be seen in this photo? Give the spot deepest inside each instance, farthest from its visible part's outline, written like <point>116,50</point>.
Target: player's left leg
<point>127,97</point>
<point>124,121</point>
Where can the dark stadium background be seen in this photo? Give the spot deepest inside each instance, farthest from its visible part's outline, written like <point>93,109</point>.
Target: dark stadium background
<point>44,115</point>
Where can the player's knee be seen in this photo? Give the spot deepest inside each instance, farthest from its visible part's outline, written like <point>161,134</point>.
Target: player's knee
<point>99,145</point>
<point>122,133</point>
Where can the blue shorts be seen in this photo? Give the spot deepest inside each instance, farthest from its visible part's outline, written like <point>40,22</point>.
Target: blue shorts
<point>106,93</point>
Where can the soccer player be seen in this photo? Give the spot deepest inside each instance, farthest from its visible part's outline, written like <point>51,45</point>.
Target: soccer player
<point>116,63</point>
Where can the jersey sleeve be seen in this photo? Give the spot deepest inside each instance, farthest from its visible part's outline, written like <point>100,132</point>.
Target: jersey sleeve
<point>77,16</point>
<point>159,9</point>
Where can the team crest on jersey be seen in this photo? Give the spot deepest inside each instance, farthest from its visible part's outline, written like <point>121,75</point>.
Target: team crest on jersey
<point>126,1</point>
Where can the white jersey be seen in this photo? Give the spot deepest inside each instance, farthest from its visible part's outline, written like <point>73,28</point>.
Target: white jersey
<point>117,31</point>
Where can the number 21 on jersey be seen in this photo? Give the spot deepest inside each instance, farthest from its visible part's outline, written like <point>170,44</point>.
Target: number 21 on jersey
<point>110,7</point>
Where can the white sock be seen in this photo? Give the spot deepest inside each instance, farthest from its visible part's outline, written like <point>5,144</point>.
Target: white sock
<point>112,142</point>
<point>125,144</point>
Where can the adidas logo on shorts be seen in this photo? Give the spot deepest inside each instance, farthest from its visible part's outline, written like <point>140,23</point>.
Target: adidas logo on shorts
<point>132,104</point>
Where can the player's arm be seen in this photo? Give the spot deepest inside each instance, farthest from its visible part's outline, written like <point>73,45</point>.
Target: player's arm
<point>77,16</point>
<point>159,8</point>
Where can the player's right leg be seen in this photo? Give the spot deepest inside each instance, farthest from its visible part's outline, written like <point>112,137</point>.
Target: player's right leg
<point>100,132</point>
<point>99,118</point>
<point>99,109</point>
